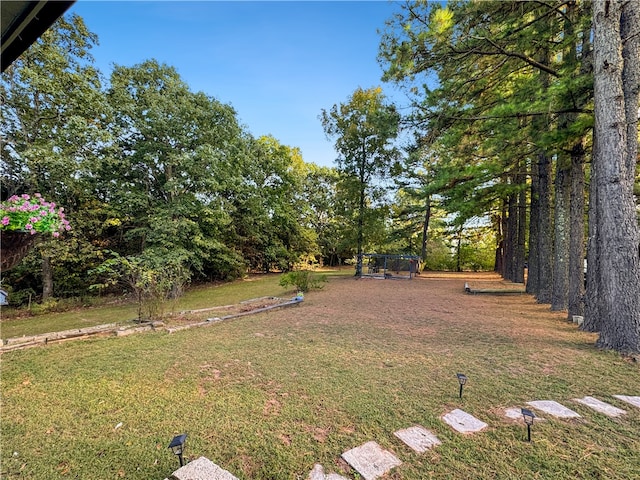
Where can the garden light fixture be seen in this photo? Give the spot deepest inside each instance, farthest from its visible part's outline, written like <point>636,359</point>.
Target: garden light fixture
<point>528,419</point>
<point>462,379</point>
<point>177,446</point>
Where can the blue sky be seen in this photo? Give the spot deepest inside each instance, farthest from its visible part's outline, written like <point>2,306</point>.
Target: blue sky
<point>277,63</point>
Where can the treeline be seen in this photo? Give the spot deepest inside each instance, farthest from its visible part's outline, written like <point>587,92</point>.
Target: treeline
<point>163,186</point>
<point>527,112</point>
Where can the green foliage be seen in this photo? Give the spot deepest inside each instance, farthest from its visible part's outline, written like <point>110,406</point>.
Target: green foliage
<point>303,280</point>
<point>364,128</point>
<point>478,249</point>
<point>493,85</point>
<point>48,306</point>
<point>154,278</point>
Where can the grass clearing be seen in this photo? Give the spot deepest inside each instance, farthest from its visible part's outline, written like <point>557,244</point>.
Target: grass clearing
<point>268,395</point>
<point>254,286</point>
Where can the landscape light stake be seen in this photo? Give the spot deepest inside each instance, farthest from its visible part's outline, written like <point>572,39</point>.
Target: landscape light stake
<point>462,379</point>
<point>177,446</point>
<point>528,419</point>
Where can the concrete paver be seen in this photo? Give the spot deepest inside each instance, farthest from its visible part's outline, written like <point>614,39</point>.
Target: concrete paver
<point>554,408</point>
<point>600,406</point>
<point>370,460</point>
<point>418,438</point>
<point>463,422</point>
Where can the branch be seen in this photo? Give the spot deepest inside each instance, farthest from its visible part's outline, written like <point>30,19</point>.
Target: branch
<point>519,115</point>
<point>526,58</point>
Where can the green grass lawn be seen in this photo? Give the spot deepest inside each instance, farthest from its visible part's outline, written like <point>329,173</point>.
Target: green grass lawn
<point>124,313</point>
<point>266,396</point>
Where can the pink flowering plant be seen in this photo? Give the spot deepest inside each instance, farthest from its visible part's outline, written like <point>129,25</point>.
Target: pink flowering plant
<point>32,214</point>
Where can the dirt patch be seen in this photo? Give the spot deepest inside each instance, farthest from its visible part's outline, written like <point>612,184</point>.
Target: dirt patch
<point>430,306</point>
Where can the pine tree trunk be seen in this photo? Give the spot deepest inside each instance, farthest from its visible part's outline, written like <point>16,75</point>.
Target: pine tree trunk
<point>425,228</point>
<point>497,265</point>
<point>630,32</point>
<point>459,251</point>
<point>512,236</point>
<point>619,301</point>
<point>545,238</point>
<point>576,235</point>
<point>560,292</point>
<point>533,265</point>
<point>592,318</point>
<point>522,231</point>
<point>504,265</point>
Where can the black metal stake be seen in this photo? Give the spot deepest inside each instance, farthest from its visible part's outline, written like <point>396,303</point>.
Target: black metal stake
<point>462,379</point>
<point>177,446</point>
<point>529,417</point>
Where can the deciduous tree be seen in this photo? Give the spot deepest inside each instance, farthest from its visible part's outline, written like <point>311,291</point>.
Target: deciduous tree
<point>364,129</point>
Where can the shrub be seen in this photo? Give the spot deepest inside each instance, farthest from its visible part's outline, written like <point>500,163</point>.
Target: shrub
<point>303,280</point>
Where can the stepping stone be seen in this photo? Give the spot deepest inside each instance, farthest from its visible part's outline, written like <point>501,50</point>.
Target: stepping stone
<point>318,474</point>
<point>515,413</point>
<point>370,460</point>
<point>635,401</point>
<point>418,438</point>
<point>553,408</point>
<point>202,469</point>
<point>600,406</point>
<point>463,422</point>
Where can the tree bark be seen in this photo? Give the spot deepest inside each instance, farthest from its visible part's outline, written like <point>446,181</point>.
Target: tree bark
<point>630,34</point>
<point>498,266</point>
<point>459,251</point>
<point>619,301</point>
<point>576,233</point>
<point>504,223</point>
<point>533,265</point>
<point>47,278</point>
<point>512,237</point>
<point>560,292</point>
<point>545,238</point>
<point>592,318</point>
<point>425,228</point>
<point>519,260</point>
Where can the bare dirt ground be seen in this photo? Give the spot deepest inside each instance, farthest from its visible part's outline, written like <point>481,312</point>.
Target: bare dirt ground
<point>437,302</point>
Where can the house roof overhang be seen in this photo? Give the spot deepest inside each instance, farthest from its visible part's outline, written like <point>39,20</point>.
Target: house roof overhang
<point>23,22</point>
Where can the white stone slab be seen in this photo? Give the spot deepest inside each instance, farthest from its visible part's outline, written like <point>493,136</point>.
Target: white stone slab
<point>635,401</point>
<point>318,474</point>
<point>463,422</point>
<point>515,413</point>
<point>600,406</point>
<point>370,460</point>
<point>202,469</point>
<point>553,408</point>
<point>334,476</point>
<point>418,438</point>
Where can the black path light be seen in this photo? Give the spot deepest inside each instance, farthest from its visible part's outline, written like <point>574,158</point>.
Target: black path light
<point>528,419</point>
<point>177,446</point>
<point>462,379</point>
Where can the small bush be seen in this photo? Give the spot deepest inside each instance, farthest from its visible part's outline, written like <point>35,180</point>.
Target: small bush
<point>50,305</point>
<point>303,280</point>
